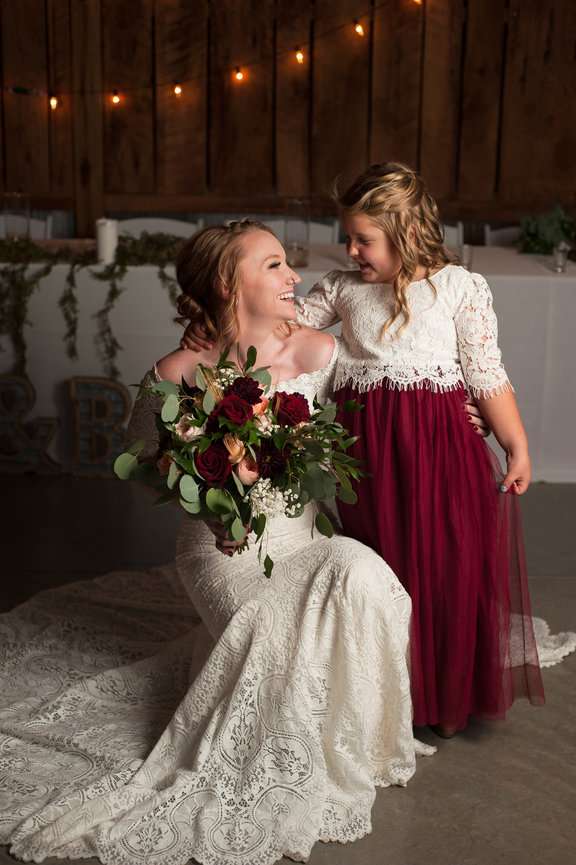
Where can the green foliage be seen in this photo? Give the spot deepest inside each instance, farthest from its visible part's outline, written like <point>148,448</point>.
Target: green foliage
<point>219,501</point>
<point>124,466</point>
<point>324,525</point>
<point>23,264</point>
<point>189,489</point>
<point>170,408</point>
<point>540,234</point>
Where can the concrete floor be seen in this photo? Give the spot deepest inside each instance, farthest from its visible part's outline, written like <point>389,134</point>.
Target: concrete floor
<point>499,794</point>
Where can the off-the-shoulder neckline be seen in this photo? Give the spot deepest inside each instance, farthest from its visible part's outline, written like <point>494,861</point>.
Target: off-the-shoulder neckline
<point>285,381</point>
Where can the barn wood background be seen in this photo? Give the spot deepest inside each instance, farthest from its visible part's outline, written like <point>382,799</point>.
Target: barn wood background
<point>478,94</point>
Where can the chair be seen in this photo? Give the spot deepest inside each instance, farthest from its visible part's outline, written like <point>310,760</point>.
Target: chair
<point>507,236</point>
<point>453,235</point>
<point>157,225</point>
<point>38,229</point>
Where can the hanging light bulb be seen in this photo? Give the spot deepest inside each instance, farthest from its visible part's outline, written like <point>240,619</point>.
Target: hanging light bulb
<point>115,97</point>
<point>359,28</point>
<point>238,74</point>
<point>299,55</point>
<point>53,103</point>
<point>177,90</point>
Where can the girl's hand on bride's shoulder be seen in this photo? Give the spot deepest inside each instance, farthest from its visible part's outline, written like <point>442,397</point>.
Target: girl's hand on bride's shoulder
<point>195,338</point>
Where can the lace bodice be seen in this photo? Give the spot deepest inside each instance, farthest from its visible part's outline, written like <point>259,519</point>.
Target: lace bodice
<point>451,338</point>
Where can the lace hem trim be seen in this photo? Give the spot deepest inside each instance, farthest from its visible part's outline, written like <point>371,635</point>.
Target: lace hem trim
<point>364,377</point>
<point>552,648</point>
<point>489,392</point>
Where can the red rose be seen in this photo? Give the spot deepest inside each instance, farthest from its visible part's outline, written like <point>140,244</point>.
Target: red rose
<point>291,408</point>
<point>214,465</point>
<point>231,407</point>
<point>247,389</point>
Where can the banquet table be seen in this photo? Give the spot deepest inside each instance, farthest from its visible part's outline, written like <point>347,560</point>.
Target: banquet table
<point>536,311</point>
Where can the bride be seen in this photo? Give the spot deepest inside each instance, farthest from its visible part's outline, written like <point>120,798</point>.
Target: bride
<point>200,710</point>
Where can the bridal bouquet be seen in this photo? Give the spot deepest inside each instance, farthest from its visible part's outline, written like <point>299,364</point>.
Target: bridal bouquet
<point>231,453</point>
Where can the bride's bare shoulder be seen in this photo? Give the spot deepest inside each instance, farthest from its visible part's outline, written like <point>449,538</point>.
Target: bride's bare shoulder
<point>181,364</point>
<point>314,348</point>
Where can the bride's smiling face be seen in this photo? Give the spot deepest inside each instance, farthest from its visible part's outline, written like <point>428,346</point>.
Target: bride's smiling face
<point>265,282</point>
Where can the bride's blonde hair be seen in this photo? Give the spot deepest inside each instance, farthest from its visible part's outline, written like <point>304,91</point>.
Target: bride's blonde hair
<point>205,264</point>
<point>395,198</point>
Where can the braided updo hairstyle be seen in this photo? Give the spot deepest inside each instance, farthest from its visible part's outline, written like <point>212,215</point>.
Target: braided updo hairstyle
<point>206,262</point>
<point>396,199</point>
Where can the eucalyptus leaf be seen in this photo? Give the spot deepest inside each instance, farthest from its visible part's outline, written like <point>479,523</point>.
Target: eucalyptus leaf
<point>324,525</point>
<point>124,466</point>
<point>200,379</point>
<point>173,475</point>
<point>262,376</point>
<point>165,387</point>
<point>189,489</point>
<point>208,402</point>
<point>219,501</point>
<point>237,530</point>
<point>268,566</point>
<point>170,408</point>
<point>191,507</point>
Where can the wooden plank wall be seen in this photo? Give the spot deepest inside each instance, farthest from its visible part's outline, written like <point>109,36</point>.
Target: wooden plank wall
<point>477,94</point>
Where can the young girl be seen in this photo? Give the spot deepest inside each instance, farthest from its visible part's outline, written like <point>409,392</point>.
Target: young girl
<point>417,332</point>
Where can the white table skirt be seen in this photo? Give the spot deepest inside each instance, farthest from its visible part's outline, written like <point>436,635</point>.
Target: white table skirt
<point>536,311</point>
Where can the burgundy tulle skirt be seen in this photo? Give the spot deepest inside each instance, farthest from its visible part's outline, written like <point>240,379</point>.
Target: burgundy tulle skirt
<point>431,507</point>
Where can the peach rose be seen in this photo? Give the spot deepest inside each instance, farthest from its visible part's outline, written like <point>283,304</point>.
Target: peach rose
<point>260,407</point>
<point>247,471</point>
<point>235,448</point>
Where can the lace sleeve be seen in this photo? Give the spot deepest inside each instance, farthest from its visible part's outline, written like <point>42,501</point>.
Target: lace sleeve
<point>318,308</point>
<point>477,332</point>
<point>142,423</point>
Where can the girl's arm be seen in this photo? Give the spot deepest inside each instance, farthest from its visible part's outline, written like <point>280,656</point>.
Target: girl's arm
<point>487,380</point>
<point>318,308</point>
<point>501,413</point>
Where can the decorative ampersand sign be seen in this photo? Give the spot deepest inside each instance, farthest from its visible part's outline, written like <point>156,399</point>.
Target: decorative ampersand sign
<point>23,444</point>
<point>101,408</point>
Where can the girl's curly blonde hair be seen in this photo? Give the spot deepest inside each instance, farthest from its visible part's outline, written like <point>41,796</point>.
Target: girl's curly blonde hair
<point>395,198</point>
<point>206,262</point>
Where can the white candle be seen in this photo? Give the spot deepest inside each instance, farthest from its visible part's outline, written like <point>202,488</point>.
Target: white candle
<point>106,239</point>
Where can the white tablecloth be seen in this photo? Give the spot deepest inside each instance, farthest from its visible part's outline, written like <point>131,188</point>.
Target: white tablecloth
<point>536,310</point>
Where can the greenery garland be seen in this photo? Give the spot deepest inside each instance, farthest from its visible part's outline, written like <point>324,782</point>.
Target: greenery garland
<point>19,279</point>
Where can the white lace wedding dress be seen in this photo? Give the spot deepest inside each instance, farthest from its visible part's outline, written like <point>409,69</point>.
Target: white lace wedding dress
<point>134,731</point>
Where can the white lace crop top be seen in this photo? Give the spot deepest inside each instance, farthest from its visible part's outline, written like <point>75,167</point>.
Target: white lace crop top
<point>451,338</point>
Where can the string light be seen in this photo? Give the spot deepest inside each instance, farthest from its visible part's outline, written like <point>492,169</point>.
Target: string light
<point>418,2</point>
<point>53,103</point>
<point>238,74</point>
<point>299,55</point>
<point>359,28</point>
<point>115,97</point>
<point>177,90</point>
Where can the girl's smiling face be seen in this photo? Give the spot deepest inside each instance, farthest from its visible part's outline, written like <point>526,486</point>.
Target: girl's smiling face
<point>369,247</point>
